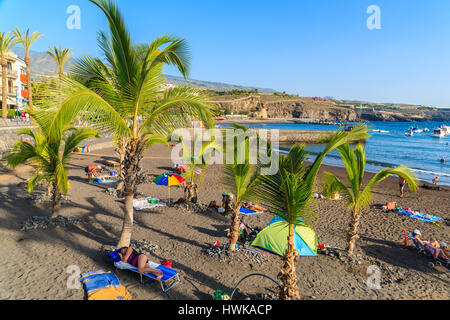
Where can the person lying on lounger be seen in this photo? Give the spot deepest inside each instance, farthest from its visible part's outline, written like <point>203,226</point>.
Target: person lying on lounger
<point>138,260</point>
<point>432,247</point>
<point>254,207</point>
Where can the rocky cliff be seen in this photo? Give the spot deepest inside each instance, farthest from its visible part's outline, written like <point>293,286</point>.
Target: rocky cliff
<point>307,108</point>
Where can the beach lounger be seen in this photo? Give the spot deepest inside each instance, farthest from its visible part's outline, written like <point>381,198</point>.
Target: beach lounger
<point>421,249</point>
<point>170,278</point>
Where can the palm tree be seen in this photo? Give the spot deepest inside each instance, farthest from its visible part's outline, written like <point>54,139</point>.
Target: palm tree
<point>7,41</point>
<point>50,151</point>
<point>289,194</point>
<point>240,178</point>
<point>194,170</point>
<point>27,39</point>
<point>357,197</point>
<point>125,92</point>
<point>60,56</point>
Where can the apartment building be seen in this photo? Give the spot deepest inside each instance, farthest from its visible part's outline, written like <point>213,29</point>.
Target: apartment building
<point>16,80</point>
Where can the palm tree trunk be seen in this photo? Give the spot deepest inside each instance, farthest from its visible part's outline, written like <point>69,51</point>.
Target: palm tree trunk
<point>352,235</point>
<point>30,91</point>
<point>190,192</point>
<point>234,228</point>
<point>56,200</point>
<point>287,275</point>
<point>4,90</point>
<point>127,226</point>
<point>132,175</point>
<point>121,151</point>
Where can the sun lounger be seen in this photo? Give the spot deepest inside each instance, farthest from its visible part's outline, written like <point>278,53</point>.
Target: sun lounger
<point>170,278</point>
<point>421,249</point>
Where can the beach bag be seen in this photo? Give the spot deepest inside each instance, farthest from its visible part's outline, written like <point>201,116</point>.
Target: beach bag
<point>114,256</point>
<point>391,205</point>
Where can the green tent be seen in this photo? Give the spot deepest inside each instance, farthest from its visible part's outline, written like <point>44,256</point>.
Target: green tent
<point>274,236</point>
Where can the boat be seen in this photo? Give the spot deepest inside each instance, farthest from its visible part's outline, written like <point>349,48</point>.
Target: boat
<point>376,130</point>
<point>384,131</point>
<point>442,131</point>
<point>416,130</point>
<point>426,130</point>
<point>409,133</point>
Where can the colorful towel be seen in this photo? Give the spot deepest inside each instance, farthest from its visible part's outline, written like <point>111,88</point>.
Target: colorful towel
<point>249,212</point>
<point>102,285</point>
<point>420,216</point>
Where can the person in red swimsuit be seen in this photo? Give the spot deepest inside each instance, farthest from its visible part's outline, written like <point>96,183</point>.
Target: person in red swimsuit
<point>138,260</point>
<point>92,171</point>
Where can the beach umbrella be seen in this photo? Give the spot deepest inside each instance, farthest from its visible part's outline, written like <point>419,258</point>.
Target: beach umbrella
<point>169,179</point>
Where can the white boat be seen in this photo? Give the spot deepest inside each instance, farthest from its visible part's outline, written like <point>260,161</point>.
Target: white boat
<point>384,131</point>
<point>442,131</point>
<point>409,133</point>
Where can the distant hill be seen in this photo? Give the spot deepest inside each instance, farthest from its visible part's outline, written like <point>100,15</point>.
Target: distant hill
<point>42,65</point>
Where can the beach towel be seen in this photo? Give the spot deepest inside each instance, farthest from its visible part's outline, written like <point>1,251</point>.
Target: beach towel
<point>101,285</point>
<point>147,203</point>
<point>420,216</point>
<point>249,212</point>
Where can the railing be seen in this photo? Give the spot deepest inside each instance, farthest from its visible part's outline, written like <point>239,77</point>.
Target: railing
<point>10,72</point>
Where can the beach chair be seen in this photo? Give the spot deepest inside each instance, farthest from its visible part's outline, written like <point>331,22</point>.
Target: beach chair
<point>421,249</point>
<point>170,278</point>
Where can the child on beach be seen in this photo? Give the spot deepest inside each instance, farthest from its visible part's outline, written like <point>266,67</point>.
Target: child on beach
<point>401,183</point>
<point>435,180</point>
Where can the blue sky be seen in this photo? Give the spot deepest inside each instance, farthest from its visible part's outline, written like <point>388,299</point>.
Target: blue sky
<point>313,47</point>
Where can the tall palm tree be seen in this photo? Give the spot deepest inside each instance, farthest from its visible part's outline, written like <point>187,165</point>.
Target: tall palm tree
<point>357,196</point>
<point>27,39</point>
<point>125,92</point>
<point>7,41</point>
<point>289,194</point>
<point>50,150</point>
<point>60,56</point>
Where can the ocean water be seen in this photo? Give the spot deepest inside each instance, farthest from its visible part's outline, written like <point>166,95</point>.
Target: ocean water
<point>421,152</point>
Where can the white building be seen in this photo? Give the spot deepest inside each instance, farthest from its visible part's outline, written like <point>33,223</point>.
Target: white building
<point>16,78</point>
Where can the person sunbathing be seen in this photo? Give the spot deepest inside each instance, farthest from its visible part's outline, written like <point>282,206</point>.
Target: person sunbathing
<point>138,260</point>
<point>254,207</point>
<point>432,247</point>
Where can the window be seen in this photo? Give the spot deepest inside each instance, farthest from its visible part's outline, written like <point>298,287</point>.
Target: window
<point>23,71</point>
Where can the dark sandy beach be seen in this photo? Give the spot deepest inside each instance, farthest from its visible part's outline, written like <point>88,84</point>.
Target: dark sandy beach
<point>36,261</point>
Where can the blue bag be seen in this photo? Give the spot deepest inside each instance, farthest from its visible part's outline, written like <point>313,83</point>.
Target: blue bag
<point>114,256</point>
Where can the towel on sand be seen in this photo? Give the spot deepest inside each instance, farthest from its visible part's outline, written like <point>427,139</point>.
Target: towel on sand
<point>249,212</point>
<point>420,216</point>
<point>102,285</point>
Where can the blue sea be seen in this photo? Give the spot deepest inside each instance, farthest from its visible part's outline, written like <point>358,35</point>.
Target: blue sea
<point>421,152</point>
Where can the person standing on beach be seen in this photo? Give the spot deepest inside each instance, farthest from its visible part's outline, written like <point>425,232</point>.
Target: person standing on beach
<point>401,183</point>
<point>435,180</point>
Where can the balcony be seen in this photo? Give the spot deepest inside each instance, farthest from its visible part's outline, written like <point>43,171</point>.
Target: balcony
<point>12,92</point>
<point>11,73</point>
